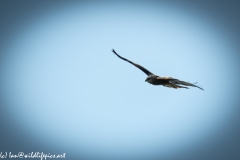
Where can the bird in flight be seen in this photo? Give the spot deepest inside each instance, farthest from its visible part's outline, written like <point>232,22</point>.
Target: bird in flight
<point>157,80</point>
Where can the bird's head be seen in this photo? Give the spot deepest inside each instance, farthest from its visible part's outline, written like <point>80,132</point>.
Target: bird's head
<point>150,78</point>
<point>147,79</point>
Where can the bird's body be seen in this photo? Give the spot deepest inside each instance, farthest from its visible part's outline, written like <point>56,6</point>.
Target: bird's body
<point>157,80</point>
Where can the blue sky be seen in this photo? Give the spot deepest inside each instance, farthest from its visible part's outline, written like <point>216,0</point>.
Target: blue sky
<point>67,89</point>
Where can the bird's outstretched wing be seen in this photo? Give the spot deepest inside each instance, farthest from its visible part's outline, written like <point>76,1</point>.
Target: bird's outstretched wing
<point>136,65</point>
<point>176,81</point>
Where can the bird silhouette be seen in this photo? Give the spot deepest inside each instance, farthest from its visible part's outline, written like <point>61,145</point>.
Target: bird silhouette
<point>157,80</point>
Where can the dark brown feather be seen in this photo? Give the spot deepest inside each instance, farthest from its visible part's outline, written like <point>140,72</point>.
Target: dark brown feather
<point>136,65</point>
<point>176,81</point>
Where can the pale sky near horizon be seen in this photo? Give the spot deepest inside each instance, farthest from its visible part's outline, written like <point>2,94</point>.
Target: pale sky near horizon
<point>62,80</point>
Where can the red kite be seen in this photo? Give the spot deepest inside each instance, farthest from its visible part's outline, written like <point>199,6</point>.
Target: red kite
<point>157,80</point>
